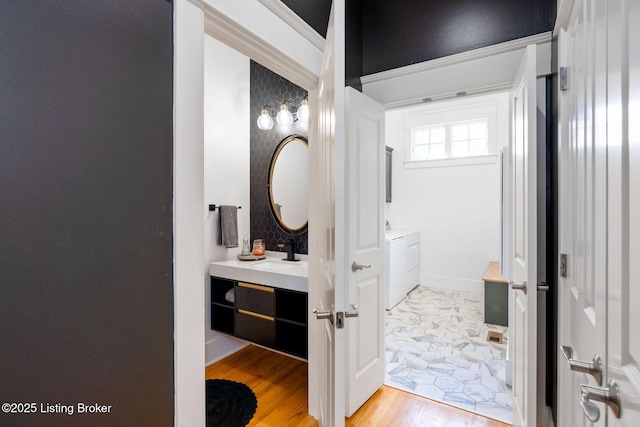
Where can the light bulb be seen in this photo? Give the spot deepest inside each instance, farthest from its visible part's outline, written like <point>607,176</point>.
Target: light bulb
<point>265,122</point>
<point>284,117</point>
<point>303,111</point>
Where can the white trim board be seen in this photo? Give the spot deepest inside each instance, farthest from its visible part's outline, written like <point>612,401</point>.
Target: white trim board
<point>246,42</point>
<point>485,70</point>
<point>188,208</point>
<point>222,346</point>
<point>278,8</point>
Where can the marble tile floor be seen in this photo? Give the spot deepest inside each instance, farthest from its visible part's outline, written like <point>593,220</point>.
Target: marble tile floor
<point>436,346</point>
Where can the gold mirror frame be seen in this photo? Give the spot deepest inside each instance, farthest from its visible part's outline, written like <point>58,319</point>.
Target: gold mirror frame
<point>275,179</point>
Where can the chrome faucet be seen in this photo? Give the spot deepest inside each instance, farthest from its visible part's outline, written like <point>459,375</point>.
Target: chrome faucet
<point>289,246</point>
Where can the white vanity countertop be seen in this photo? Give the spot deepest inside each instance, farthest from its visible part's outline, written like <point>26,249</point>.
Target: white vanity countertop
<point>271,271</point>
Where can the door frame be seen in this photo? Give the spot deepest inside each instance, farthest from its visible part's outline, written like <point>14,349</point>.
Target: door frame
<point>193,19</point>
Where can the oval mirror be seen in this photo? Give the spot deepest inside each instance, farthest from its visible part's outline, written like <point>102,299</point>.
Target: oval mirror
<point>288,184</point>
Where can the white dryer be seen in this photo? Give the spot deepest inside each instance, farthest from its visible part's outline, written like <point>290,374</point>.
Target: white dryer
<point>402,258</point>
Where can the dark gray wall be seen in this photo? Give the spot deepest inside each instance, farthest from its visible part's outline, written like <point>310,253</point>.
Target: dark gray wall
<point>268,87</point>
<point>399,33</point>
<point>382,35</point>
<point>313,12</point>
<point>353,42</point>
<point>86,292</point>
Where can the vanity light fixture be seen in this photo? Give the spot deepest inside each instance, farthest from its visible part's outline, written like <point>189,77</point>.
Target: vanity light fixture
<point>265,122</point>
<point>303,111</point>
<point>284,117</point>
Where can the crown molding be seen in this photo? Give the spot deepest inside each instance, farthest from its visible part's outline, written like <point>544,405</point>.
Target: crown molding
<point>278,8</point>
<point>246,42</point>
<point>458,58</point>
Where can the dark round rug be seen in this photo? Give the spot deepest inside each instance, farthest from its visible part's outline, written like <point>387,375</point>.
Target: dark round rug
<point>229,404</point>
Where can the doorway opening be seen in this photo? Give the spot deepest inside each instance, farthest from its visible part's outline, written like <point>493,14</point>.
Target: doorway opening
<point>237,171</point>
<point>438,342</point>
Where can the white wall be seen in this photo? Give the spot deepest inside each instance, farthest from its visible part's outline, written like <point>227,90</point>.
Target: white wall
<point>188,208</point>
<point>455,208</point>
<point>226,165</point>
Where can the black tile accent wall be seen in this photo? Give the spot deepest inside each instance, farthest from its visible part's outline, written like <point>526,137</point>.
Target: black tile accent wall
<point>268,87</point>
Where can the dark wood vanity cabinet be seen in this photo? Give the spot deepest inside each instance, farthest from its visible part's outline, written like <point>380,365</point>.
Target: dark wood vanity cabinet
<point>268,316</point>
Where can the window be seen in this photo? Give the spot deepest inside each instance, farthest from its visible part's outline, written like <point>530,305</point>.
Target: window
<point>458,132</point>
<point>450,140</point>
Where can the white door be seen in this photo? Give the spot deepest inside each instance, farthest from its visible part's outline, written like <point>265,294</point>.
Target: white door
<point>582,202</point>
<point>524,244</point>
<point>624,210</point>
<point>346,224</point>
<point>326,287</point>
<point>364,239</point>
<point>599,214</point>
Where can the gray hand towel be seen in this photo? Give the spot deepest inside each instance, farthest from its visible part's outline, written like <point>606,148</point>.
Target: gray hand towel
<point>228,226</point>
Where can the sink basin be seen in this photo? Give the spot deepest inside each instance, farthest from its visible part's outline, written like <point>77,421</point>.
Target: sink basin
<point>272,271</point>
<point>273,265</point>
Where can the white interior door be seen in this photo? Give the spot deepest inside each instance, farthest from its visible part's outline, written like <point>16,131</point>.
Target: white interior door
<point>623,153</point>
<point>326,222</point>
<point>346,222</point>
<point>583,209</point>
<point>523,331</point>
<point>600,214</point>
<point>365,269</point>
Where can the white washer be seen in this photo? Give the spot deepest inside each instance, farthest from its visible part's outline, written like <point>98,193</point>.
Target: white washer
<point>402,259</point>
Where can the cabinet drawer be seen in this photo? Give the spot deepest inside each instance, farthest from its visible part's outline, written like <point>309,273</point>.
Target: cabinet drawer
<point>412,239</point>
<point>413,256</point>
<point>255,298</point>
<point>255,328</point>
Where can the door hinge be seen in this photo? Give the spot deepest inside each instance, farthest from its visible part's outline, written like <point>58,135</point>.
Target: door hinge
<point>564,79</point>
<point>563,265</point>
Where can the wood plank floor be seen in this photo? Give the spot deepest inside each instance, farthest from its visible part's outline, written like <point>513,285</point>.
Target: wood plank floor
<point>280,384</point>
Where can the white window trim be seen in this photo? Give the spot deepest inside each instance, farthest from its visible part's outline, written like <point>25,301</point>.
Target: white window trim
<point>454,111</point>
<point>454,161</point>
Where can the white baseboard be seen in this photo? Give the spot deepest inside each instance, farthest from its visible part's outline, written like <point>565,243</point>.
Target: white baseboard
<point>452,283</point>
<point>222,346</point>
